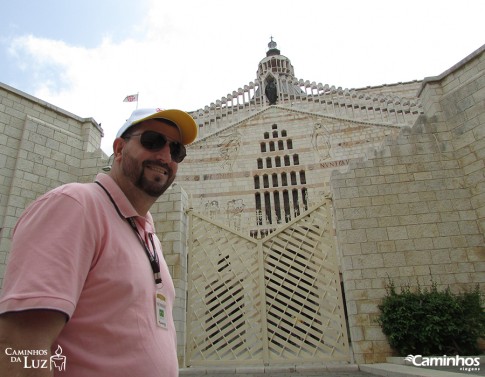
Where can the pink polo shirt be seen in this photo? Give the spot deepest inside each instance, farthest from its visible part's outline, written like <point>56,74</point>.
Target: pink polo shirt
<point>71,251</point>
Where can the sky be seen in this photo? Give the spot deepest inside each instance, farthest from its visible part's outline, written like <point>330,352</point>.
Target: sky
<point>86,56</point>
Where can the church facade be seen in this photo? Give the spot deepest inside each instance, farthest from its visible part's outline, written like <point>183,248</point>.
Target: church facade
<point>295,206</point>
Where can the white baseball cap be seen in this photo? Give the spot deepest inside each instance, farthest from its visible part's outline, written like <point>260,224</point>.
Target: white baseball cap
<point>185,123</point>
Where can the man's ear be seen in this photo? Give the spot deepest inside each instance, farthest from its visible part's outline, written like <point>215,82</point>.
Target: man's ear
<point>118,146</point>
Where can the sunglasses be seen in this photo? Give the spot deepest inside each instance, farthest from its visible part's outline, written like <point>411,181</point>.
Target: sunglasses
<point>153,141</point>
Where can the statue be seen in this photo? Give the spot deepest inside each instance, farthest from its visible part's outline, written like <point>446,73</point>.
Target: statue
<point>271,92</point>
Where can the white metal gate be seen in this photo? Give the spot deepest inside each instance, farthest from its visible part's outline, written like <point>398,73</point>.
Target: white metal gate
<point>276,300</point>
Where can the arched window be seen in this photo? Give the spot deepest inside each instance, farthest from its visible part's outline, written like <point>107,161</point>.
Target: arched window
<point>266,135</point>
<point>268,163</point>
<point>296,159</point>
<point>256,182</point>
<point>296,205</point>
<point>293,178</point>
<point>265,181</point>
<point>277,161</point>
<point>287,160</point>
<point>276,200</point>
<point>259,219</point>
<point>267,207</point>
<point>304,196</point>
<point>286,203</point>
<point>260,163</point>
<point>280,145</point>
<point>289,144</point>
<point>302,177</point>
<point>271,146</point>
<point>284,180</point>
<point>275,179</point>
<point>263,147</point>
<point>283,133</point>
<point>275,133</point>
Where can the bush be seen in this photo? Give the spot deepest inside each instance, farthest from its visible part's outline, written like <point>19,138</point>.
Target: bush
<point>428,322</point>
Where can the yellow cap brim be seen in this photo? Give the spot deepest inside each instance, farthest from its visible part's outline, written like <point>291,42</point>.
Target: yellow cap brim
<point>185,123</point>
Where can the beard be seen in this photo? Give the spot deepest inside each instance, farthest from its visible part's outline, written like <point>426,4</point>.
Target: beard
<point>132,169</point>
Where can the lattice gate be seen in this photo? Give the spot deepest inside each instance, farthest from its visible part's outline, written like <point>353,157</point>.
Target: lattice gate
<point>276,300</point>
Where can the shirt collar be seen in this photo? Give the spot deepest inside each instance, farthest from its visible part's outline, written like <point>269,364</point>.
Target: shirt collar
<point>124,205</point>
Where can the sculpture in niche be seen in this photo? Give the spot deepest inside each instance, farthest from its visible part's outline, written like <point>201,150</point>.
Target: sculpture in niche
<point>271,91</point>
<point>321,142</point>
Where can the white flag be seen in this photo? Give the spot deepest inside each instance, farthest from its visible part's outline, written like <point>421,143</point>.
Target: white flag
<point>131,98</point>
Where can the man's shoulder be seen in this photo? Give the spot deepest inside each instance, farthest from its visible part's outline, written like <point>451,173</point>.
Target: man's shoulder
<point>79,192</point>
<point>74,188</point>
<point>72,200</point>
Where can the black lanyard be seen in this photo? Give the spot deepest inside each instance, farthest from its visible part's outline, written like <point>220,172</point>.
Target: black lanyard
<point>153,258</point>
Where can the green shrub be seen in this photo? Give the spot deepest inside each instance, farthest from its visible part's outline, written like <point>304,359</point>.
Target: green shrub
<point>429,322</point>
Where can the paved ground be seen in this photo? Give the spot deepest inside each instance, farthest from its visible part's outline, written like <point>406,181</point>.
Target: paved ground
<point>326,374</point>
<point>385,369</point>
<point>315,373</point>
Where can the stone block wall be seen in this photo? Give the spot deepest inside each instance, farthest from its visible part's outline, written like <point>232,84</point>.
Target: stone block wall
<point>463,104</point>
<point>171,222</point>
<point>413,211</point>
<point>41,147</point>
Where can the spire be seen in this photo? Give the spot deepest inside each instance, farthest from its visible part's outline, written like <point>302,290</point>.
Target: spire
<point>272,50</point>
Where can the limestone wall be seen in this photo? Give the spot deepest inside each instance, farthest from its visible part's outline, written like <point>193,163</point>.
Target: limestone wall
<point>171,222</point>
<point>257,156</point>
<point>414,211</point>
<point>41,147</point>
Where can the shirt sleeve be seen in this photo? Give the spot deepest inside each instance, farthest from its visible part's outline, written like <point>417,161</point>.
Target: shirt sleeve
<point>52,247</point>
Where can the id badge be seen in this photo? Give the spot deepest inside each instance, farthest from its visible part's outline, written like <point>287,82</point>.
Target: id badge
<point>161,310</point>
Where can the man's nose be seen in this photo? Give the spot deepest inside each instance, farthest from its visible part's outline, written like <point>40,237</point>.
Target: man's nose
<point>164,153</point>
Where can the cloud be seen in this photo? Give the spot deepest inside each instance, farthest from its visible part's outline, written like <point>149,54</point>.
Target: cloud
<point>93,82</point>
<point>188,54</point>
<point>166,64</point>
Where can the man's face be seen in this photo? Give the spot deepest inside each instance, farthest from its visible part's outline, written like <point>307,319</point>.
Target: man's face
<point>151,171</point>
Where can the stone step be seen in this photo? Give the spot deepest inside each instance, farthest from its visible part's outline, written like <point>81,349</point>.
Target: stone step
<point>347,370</point>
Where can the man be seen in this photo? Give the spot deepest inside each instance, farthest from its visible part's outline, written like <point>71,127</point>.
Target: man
<point>86,283</point>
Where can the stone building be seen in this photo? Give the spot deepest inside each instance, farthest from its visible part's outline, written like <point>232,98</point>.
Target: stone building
<point>295,206</point>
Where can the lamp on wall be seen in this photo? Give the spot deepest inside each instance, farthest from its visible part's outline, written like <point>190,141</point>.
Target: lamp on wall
<point>110,162</point>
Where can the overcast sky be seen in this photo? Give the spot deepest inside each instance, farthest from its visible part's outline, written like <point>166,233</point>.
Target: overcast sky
<point>86,56</point>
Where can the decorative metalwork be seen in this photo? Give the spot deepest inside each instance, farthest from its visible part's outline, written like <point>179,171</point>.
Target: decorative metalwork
<point>265,301</point>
